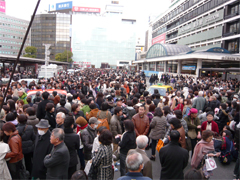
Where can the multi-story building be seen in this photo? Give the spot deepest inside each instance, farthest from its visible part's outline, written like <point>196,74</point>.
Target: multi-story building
<point>200,24</point>
<point>12,32</point>
<point>51,29</point>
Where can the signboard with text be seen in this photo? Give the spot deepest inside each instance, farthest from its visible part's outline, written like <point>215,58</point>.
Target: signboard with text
<point>189,68</point>
<point>86,9</point>
<point>64,6</point>
<point>2,6</point>
<point>159,39</point>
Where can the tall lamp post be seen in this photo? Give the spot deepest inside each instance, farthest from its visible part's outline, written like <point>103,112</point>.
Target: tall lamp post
<point>47,53</point>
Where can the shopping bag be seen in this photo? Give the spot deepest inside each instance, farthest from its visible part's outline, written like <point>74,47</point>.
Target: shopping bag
<point>159,145</point>
<point>87,167</point>
<point>210,164</point>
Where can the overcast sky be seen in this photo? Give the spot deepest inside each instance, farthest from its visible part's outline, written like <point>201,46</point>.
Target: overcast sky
<point>141,10</point>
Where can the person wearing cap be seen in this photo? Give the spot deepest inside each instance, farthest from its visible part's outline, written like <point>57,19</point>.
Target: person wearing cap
<point>210,124</point>
<point>41,149</point>
<point>87,137</point>
<point>194,126</point>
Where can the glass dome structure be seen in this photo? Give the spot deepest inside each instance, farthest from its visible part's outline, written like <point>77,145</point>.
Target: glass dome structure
<point>159,50</point>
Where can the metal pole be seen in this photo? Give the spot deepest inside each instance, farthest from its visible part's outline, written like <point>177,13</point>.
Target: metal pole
<point>20,51</point>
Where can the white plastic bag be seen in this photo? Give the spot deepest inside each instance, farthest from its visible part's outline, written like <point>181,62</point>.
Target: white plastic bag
<point>210,164</point>
<point>87,167</point>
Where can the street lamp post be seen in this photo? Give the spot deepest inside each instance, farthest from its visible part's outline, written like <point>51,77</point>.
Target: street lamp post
<point>47,53</point>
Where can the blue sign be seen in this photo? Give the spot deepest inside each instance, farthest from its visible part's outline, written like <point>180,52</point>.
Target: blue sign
<point>64,5</point>
<point>189,68</point>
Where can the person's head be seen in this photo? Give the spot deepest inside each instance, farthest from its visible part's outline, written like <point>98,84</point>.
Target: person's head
<point>93,106</point>
<point>105,137</point>
<point>56,99</point>
<point>57,136</point>
<point>42,126</point>
<point>50,107</point>
<point>62,102</point>
<point>10,117</point>
<point>227,133</point>
<point>80,174</point>
<point>118,111</point>
<point>30,111</point>
<point>69,122</point>
<point>2,114</point>
<point>54,93</point>
<point>208,109</point>
<point>104,106</point>
<point>193,113</point>
<point>142,141</point>
<point>187,102</point>
<point>207,135</point>
<point>174,136</point>
<point>93,122</point>
<point>45,95</point>
<point>200,93</point>
<point>20,93</point>
<point>8,128</point>
<point>29,100</point>
<point>75,108</point>
<point>100,129</point>
<point>141,110</point>
<point>166,110</point>
<point>20,103</point>
<point>158,112</point>
<point>22,118</point>
<point>193,174</point>
<point>129,126</point>
<point>226,127</point>
<point>134,161</point>
<point>223,106</point>
<point>119,104</point>
<point>210,116</point>
<point>60,117</point>
<point>175,123</point>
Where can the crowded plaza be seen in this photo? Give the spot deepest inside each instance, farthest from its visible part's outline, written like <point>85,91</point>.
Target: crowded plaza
<point>106,124</point>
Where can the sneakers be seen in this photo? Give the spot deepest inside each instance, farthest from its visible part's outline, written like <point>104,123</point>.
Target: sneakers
<point>152,158</point>
<point>116,169</point>
<point>117,164</point>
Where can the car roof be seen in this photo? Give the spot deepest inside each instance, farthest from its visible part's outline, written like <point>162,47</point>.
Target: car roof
<point>159,86</point>
<point>48,90</point>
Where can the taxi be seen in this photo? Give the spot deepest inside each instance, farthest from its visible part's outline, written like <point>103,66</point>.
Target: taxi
<point>162,89</point>
<point>32,93</point>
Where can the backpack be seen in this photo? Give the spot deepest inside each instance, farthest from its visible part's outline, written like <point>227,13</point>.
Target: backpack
<point>103,122</point>
<point>187,111</point>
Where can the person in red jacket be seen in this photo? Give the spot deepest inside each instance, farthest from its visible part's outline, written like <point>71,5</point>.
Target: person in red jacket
<point>210,124</point>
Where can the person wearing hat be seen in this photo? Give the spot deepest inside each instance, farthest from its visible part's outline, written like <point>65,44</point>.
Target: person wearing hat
<point>210,124</point>
<point>87,137</point>
<point>194,126</point>
<point>41,149</point>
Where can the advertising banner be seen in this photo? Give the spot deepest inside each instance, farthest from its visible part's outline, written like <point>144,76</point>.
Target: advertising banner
<point>86,9</point>
<point>2,6</point>
<point>189,68</point>
<point>64,5</point>
<point>159,39</point>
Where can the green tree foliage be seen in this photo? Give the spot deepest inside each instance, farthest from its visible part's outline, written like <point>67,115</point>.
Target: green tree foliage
<point>30,52</point>
<point>66,56</point>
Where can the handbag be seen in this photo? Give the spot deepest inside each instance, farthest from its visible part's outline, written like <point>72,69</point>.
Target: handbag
<point>93,171</point>
<point>23,173</point>
<point>87,167</point>
<point>160,144</point>
<point>210,164</point>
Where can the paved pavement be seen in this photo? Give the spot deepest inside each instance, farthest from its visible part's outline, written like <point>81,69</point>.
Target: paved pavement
<point>222,172</point>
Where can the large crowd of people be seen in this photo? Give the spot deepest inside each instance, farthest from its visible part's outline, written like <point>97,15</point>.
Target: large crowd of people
<point>105,120</point>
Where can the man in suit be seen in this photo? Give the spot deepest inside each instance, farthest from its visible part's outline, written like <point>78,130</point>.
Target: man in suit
<point>142,142</point>
<point>173,158</point>
<point>72,142</point>
<point>57,162</point>
<point>41,112</point>
<point>134,162</point>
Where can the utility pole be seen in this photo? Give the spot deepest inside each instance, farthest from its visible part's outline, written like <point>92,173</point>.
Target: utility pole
<point>47,53</point>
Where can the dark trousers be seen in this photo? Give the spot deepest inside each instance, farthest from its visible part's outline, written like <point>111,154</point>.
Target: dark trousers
<point>71,170</point>
<point>237,168</point>
<point>154,144</point>
<point>122,164</point>
<point>28,162</point>
<point>81,158</point>
<point>14,169</point>
<point>193,142</point>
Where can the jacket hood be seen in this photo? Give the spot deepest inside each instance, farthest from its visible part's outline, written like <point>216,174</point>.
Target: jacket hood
<point>32,117</point>
<point>130,108</point>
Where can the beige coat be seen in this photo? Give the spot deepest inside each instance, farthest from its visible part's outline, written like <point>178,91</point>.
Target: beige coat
<point>4,172</point>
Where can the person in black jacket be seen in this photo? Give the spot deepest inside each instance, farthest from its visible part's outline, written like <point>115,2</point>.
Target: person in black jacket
<point>173,158</point>
<point>50,115</point>
<point>42,105</point>
<point>126,141</point>
<point>72,142</point>
<point>28,138</point>
<point>41,149</point>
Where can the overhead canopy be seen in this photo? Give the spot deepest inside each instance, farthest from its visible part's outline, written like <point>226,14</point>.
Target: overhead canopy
<point>160,50</point>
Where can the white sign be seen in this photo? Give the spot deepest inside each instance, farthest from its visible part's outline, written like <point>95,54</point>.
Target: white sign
<point>213,17</point>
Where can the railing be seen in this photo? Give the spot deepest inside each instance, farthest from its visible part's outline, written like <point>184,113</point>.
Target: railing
<point>226,34</point>
<point>232,15</point>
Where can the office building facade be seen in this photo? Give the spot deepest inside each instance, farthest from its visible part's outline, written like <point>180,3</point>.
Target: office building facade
<point>51,29</point>
<point>200,24</point>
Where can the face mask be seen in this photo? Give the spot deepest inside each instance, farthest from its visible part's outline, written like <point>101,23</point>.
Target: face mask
<point>95,127</point>
<point>41,132</point>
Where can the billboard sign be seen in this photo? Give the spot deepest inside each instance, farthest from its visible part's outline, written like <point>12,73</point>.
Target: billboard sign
<point>64,6</point>
<point>86,9</point>
<point>189,68</point>
<point>52,7</point>
<point>159,39</point>
<point>2,6</point>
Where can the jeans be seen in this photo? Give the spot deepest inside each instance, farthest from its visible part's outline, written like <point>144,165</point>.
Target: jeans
<point>14,169</point>
<point>154,144</point>
<point>81,158</point>
<point>122,164</point>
